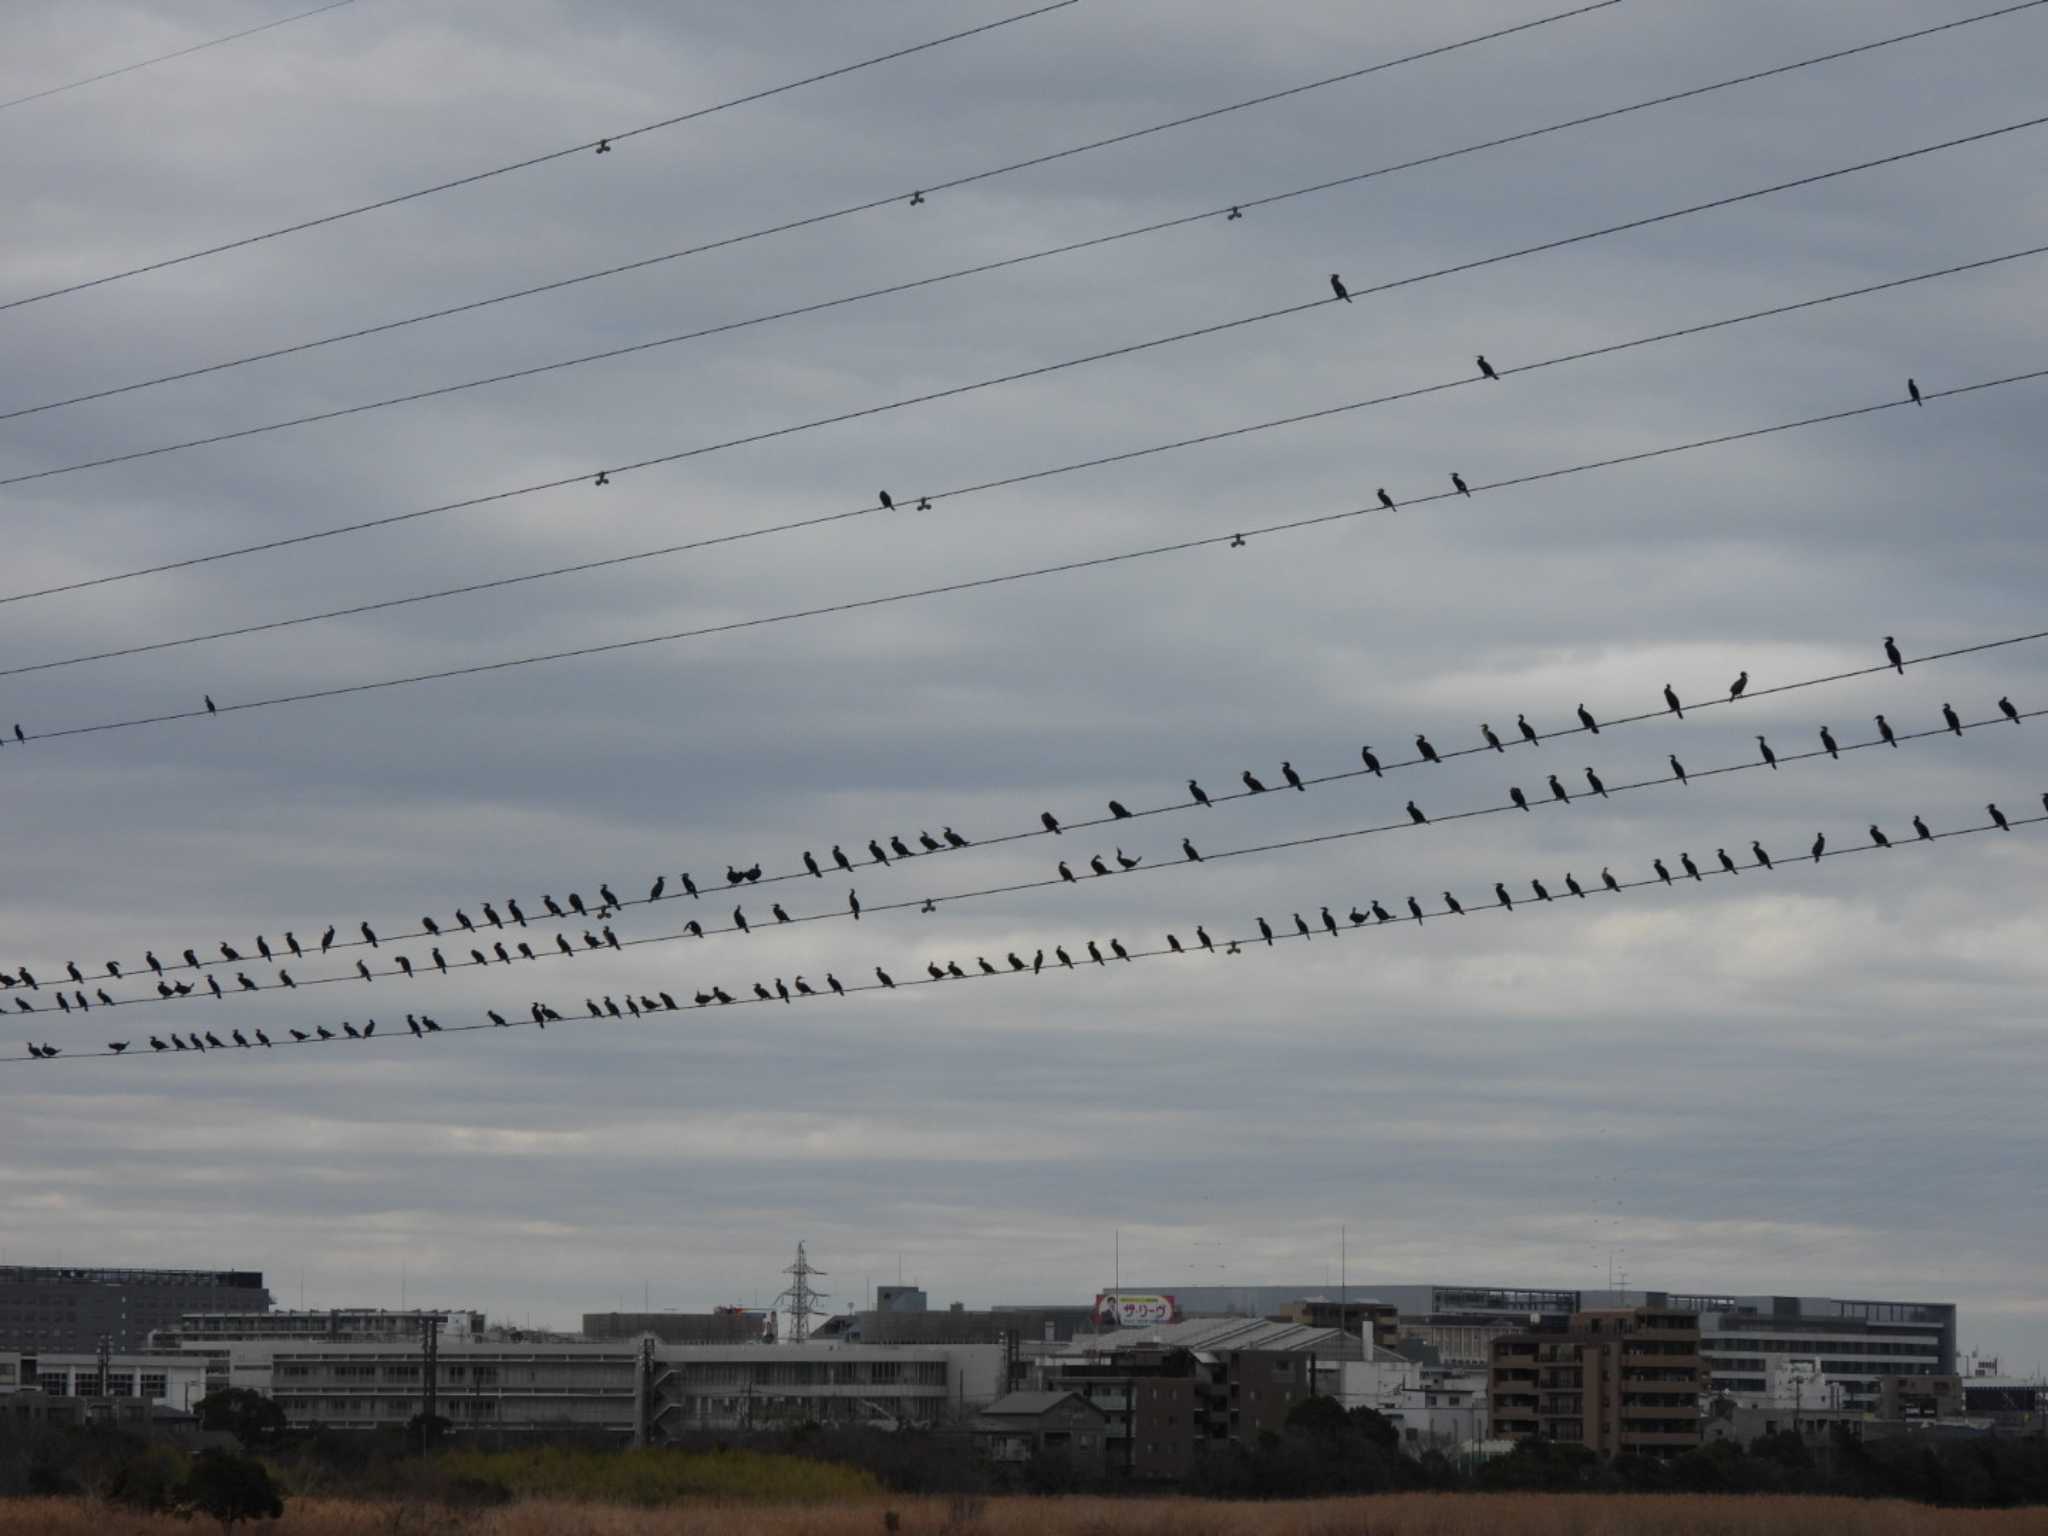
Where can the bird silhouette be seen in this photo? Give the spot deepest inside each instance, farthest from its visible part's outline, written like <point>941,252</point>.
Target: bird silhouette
<point>1066,874</point>
<point>853,904</point>
<point>1097,865</point>
<point>1607,879</point>
<point>1127,861</point>
<point>1301,927</point>
<point>1557,791</point>
<point>1188,848</point>
<point>229,952</point>
<point>1877,837</point>
<point>1501,895</point>
<point>562,944</point>
<point>1920,829</point>
<point>1451,905</point>
<point>461,917</point>
<point>490,916</point>
<point>1884,730</point>
<point>1573,886</point>
<point>1690,867</point>
<point>1727,863</point>
<point>1537,887</point>
<point>888,502</point>
<point>1459,481</point>
<point>1428,752</point>
<point>2005,708</point>
<point>1820,843</point>
<point>724,997</point>
<point>1337,287</point>
<point>1735,689</point>
<point>1671,701</point>
<point>1678,769</point>
<point>1094,953</point>
<point>1386,500</point>
<point>369,937</point>
<point>761,993</point>
<point>158,1045</point>
<point>1827,740</point>
<point>213,982</point>
<point>1954,720</point>
<point>1371,762</point>
<point>1116,948</point>
<point>1329,923</point>
<point>1515,794</point>
<point>1197,794</point>
<point>1066,960</point>
<point>1761,857</point>
<point>1593,779</point>
<point>1586,719</point>
<point>929,843</point>
<point>1202,938</point>
<point>1357,917</point>
<point>1287,772</point>
<point>72,967</point>
<point>1913,393</point>
<point>211,707</point>
<point>244,982</point>
<point>554,908</point>
<point>1770,757</point>
<point>1891,654</point>
<point>1414,910</point>
<point>1173,944</point>
<point>1415,814</point>
<point>1266,932</point>
<point>1486,368</point>
<point>1050,822</point>
<point>1379,912</point>
<point>1528,731</point>
<point>1662,873</point>
<point>156,965</point>
<point>833,982</point>
<point>1492,740</point>
<point>953,839</point>
<point>526,950</point>
<point>1253,784</point>
<point>1998,818</point>
<point>900,848</point>
<point>661,884</point>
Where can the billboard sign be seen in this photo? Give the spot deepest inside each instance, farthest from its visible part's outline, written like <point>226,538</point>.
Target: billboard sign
<point>1127,1309</point>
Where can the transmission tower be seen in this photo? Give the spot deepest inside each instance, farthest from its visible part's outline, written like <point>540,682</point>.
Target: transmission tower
<point>800,1301</point>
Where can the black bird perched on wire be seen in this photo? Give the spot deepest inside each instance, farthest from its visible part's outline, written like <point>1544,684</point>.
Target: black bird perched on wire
<point>1593,779</point>
<point>1884,729</point>
<point>876,852</point>
<point>503,957</point>
<point>1202,938</point>
<point>1329,923</point>
<point>1127,861</point>
<point>211,707</point>
<point>461,917</point>
<point>1486,368</point>
<point>1500,892</point>
<point>526,950</point>
<point>1998,818</point>
<point>1528,731</point>
<point>1671,701</point>
<point>1451,905</point>
<point>724,997</point>
<point>1690,867</point>
<point>1678,769</point>
<point>413,1023</point>
<point>1877,837</point>
<point>953,839</point>
<point>1727,863</point>
<point>1415,814</point>
<point>362,970</point>
<point>1301,927</point>
<point>1371,762</point>
<point>76,973</point>
<point>560,943</point>
<point>157,1045</point>
<point>1770,757</point>
<point>607,895</point>
<point>1337,287</point>
<point>1066,874</point>
<point>1386,500</point>
<point>1428,752</point>
<point>1357,917</point>
<point>1459,481</point>
<point>369,937</point>
<point>833,982</point>
<point>1266,931</point>
<point>1096,864</point>
<point>1287,772</point>
<point>2005,707</point>
<point>156,965</point>
<point>1607,879</point>
<point>1173,943</point>
<point>661,884</point>
<point>888,502</point>
<point>490,916</point>
<point>1891,654</point>
<point>1820,844</point>
<point>761,993</point>
<point>1735,688</point>
<point>1573,886</point>
<point>1492,740</point>
<point>1515,794</point>
<point>263,944</point>
<point>1913,393</point>
<point>1116,948</point>
<point>1557,791</point>
<point>1197,794</point>
<point>1065,959</point>
<point>1253,784</point>
<point>1761,857</point>
<point>1954,721</point>
<point>1827,739</point>
<point>1188,848</point>
<point>1379,912</point>
<point>1586,719</point>
<point>1662,873</point>
<point>929,843</point>
<point>229,952</point>
<point>900,848</point>
<point>853,904</point>
<point>1095,952</point>
<point>244,982</point>
<point>1050,821</point>
<point>213,982</point>
<point>518,916</point>
<point>1016,964</point>
<point>1537,887</point>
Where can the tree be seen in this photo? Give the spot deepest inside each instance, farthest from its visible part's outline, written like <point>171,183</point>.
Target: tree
<point>229,1488</point>
<point>253,1419</point>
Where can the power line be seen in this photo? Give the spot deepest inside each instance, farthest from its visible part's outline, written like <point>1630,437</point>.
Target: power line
<point>823,519</point>
<point>931,903</point>
<point>1235,946</point>
<point>857,604</point>
<point>520,165</point>
<point>1181,221</point>
<point>1128,350</point>
<point>1221,797</point>
<point>165,58</point>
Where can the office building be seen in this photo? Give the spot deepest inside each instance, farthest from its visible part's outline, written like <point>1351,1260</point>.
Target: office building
<point>721,1325</point>
<point>1619,1382</point>
<point>164,1381</point>
<point>337,1325</point>
<point>50,1309</point>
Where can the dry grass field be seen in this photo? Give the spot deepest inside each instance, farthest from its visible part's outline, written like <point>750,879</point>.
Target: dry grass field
<point>1392,1515</point>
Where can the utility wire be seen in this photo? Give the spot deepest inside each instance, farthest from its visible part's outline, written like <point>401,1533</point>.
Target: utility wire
<point>907,502</point>
<point>1235,946</point>
<point>929,904</point>
<point>857,604</point>
<point>521,165</point>
<point>1222,210</point>
<point>165,58</point>
<point>1128,350</point>
<point>546,921</point>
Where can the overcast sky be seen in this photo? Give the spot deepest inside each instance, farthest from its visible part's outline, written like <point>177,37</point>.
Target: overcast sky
<point>1822,1080</point>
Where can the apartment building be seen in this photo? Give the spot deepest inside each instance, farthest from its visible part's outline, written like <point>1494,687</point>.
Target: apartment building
<point>73,1309</point>
<point>1617,1381</point>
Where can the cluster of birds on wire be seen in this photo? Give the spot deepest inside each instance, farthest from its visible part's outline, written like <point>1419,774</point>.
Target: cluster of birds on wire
<point>1372,912</point>
<point>736,878</point>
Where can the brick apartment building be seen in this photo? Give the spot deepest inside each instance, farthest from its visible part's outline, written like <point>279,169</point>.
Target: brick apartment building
<point>1620,1382</point>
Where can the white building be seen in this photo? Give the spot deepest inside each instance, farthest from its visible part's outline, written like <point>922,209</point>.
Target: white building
<point>1435,1407</point>
<point>163,1380</point>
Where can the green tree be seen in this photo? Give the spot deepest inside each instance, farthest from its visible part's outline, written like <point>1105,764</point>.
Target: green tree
<point>253,1419</point>
<point>229,1488</point>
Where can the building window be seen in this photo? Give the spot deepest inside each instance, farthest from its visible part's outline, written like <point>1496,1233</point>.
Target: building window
<point>155,1386</point>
